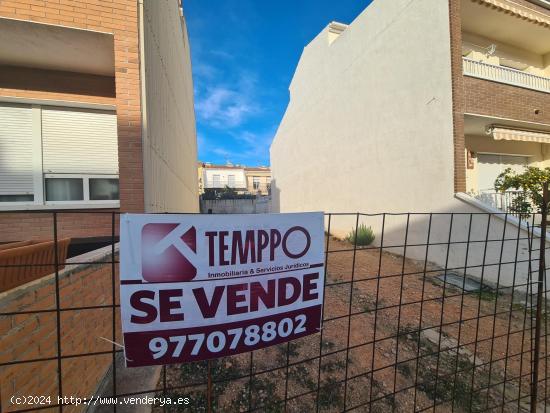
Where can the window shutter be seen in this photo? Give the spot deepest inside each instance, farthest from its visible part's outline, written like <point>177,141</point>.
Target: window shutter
<point>16,176</point>
<point>79,141</point>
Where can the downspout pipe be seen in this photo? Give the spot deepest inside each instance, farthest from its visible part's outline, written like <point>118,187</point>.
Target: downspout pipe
<point>143,99</point>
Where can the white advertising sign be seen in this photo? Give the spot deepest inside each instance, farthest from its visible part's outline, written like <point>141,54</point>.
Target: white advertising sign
<point>195,287</point>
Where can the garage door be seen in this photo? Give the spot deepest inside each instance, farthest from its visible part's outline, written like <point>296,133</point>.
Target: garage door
<point>16,172</point>
<point>490,166</point>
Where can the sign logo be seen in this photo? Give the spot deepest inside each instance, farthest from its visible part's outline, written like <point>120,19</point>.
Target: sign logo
<point>168,252</point>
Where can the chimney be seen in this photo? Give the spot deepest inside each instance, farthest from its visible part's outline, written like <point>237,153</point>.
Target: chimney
<point>334,31</point>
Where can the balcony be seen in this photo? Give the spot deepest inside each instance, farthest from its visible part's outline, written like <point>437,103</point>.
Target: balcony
<point>56,59</point>
<point>505,201</point>
<point>263,188</point>
<point>512,203</point>
<point>505,75</point>
<point>222,183</point>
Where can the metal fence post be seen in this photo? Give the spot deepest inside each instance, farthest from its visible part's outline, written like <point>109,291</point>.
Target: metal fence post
<point>540,284</point>
<point>209,387</point>
<point>58,312</point>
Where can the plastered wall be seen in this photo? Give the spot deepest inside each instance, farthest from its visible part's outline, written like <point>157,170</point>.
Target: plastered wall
<point>369,123</point>
<point>169,142</point>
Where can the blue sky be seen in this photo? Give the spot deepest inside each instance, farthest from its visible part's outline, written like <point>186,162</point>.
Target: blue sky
<point>244,53</point>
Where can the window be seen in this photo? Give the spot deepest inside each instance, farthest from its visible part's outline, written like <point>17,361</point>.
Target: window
<point>231,181</point>
<point>64,189</point>
<point>52,154</point>
<point>216,182</point>
<point>16,198</point>
<point>81,188</point>
<point>256,182</point>
<point>16,151</point>
<point>102,189</point>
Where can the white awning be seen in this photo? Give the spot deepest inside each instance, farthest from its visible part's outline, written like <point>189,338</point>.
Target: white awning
<point>519,10</point>
<point>519,135</point>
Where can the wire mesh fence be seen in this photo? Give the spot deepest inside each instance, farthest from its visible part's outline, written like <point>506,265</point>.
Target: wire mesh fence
<point>422,312</point>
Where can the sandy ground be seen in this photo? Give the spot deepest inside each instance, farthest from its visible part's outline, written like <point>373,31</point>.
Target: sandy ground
<point>429,348</point>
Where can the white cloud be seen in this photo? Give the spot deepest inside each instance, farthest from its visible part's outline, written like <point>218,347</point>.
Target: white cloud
<point>223,54</point>
<point>248,148</point>
<point>204,71</point>
<point>254,145</point>
<point>224,105</point>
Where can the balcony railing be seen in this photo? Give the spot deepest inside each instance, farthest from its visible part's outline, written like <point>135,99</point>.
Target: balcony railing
<point>511,202</point>
<point>222,183</point>
<point>500,200</point>
<point>505,75</point>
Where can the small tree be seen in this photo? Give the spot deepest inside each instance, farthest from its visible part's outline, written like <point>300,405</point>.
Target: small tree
<point>209,194</point>
<point>530,183</point>
<point>227,193</point>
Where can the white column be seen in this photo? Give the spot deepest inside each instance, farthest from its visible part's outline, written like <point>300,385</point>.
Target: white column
<point>38,180</point>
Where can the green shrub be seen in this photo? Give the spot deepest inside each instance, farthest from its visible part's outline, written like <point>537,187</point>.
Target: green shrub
<point>364,235</point>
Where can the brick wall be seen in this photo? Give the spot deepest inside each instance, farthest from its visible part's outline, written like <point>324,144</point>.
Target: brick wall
<point>119,17</point>
<point>483,97</point>
<point>497,99</point>
<point>79,86</point>
<point>34,336</point>
<point>458,96</point>
<point>19,226</point>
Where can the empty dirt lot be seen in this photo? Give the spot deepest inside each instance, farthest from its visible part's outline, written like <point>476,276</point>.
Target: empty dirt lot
<point>429,348</point>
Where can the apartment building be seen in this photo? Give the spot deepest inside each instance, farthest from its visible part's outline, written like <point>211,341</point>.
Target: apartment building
<point>96,112</point>
<point>258,180</point>
<point>221,176</point>
<point>417,106</point>
<point>501,91</point>
<point>251,180</point>
<point>414,114</point>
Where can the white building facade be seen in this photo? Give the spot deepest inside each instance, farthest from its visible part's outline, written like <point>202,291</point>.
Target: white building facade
<point>221,177</point>
<point>384,116</point>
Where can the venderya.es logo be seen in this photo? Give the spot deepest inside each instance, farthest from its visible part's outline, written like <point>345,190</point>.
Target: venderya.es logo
<point>168,252</point>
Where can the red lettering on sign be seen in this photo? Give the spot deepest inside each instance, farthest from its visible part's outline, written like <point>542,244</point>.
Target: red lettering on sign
<point>223,247</point>
<point>211,235</point>
<point>233,298</point>
<point>208,309</point>
<point>257,293</point>
<point>275,242</point>
<point>166,305</point>
<point>255,243</point>
<point>282,298</point>
<point>149,309</point>
<point>309,286</point>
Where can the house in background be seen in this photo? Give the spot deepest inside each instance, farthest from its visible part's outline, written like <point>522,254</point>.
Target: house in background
<point>258,180</point>
<point>200,177</point>
<point>96,113</point>
<point>410,107</point>
<point>221,176</point>
<point>245,180</point>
